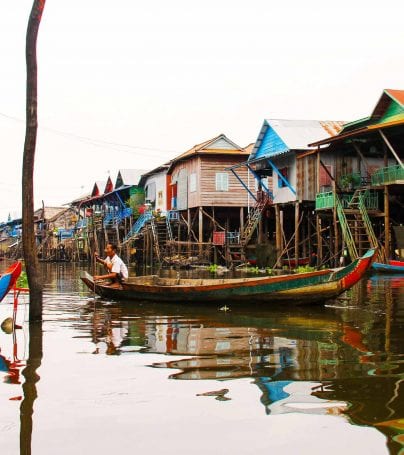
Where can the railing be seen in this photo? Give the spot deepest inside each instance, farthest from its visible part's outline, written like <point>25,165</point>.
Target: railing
<point>366,220</point>
<point>82,223</point>
<point>233,237</point>
<point>140,222</point>
<point>386,175</point>
<point>327,200</point>
<point>116,217</point>
<point>346,231</point>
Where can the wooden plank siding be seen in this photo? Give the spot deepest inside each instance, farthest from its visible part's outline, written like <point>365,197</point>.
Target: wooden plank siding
<point>236,196</point>
<point>205,167</point>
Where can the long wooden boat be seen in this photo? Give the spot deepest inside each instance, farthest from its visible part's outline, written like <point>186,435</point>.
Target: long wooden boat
<point>308,287</point>
<point>9,278</point>
<point>390,267</point>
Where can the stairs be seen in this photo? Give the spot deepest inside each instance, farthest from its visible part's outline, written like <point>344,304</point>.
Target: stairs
<point>162,233</point>
<point>356,226</point>
<point>138,226</point>
<point>252,221</point>
<point>236,251</point>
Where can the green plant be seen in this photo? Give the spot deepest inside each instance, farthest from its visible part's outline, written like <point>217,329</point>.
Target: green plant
<point>22,281</point>
<point>270,271</point>
<point>252,270</point>
<point>213,268</point>
<point>304,269</point>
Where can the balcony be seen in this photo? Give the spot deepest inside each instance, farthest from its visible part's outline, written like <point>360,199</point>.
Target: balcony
<point>325,201</point>
<point>388,175</point>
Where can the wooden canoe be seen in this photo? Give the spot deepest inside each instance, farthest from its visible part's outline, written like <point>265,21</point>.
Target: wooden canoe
<point>308,287</point>
<point>9,278</point>
<point>390,267</point>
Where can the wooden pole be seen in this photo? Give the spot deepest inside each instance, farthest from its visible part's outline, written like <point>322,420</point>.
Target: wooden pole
<point>200,226</point>
<point>297,215</point>
<point>387,237</point>
<point>335,222</point>
<point>28,234</point>
<point>319,241</point>
<point>387,241</point>
<point>241,219</point>
<point>387,142</point>
<point>278,233</point>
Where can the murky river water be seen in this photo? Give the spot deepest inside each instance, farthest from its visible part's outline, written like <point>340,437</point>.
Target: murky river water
<point>100,377</point>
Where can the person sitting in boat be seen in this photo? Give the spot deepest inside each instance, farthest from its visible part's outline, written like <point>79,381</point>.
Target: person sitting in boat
<point>118,272</point>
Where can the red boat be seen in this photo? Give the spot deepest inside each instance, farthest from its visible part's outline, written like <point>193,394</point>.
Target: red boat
<point>9,278</point>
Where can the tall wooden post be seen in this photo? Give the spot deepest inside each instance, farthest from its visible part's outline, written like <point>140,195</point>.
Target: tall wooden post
<point>297,227</point>
<point>200,226</point>
<point>278,232</point>
<point>319,241</point>
<point>387,240</point>
<point>335,221</point>
<point>28,234</point>
<point>189,224</point>
<point>387,237</point>
<point>241,219</point>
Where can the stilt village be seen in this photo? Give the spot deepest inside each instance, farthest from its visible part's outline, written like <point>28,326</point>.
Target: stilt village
<point>306,192</point>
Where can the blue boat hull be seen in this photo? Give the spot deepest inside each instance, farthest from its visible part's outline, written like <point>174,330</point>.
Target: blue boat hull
<point>387,268</point>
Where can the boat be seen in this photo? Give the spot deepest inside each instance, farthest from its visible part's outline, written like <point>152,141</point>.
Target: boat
<point>310,287</point>
<point>9,278</point>
<point>390,267</point>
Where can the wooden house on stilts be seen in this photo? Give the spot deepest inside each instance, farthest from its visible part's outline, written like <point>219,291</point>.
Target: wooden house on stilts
<point>284,203</point>
<point>207,197</point>
<point>360,197</point>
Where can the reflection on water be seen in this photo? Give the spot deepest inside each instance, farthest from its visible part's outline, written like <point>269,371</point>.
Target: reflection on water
<point>345,359</point>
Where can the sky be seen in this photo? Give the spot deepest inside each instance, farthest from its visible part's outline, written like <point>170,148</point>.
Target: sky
<point>130,84</point>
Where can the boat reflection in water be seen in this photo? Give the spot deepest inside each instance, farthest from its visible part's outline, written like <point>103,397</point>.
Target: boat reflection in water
<point>346,358</point>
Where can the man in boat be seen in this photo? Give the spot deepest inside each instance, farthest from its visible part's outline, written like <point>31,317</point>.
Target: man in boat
<point>116,268</point>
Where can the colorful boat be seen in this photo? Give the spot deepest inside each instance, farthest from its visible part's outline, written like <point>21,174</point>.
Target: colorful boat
<point>9,278</point>
<point>308,287</point>
<point>390,267</point>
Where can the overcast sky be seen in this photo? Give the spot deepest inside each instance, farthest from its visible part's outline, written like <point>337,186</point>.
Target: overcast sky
<point>130,84</point>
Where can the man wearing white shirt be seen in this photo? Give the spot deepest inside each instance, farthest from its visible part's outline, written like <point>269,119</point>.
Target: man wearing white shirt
<point>118,272</point>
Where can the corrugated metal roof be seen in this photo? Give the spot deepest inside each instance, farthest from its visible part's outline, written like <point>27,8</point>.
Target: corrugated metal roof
<point>296,134</point>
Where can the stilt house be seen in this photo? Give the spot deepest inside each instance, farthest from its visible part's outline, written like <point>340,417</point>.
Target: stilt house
<point>360,190</point>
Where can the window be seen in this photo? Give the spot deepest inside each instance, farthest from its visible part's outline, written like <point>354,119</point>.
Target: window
<point>160,198</point>
<point>284,172</point>
<point>222,181</point>
<point>192,182</point>
<point>325,179</point>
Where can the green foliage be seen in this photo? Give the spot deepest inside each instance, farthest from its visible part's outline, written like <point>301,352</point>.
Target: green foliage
<point>304,269</point>
<point>22,281</point>
<point>213,268</point>
<point>270,271</point>
<point>255,270</point>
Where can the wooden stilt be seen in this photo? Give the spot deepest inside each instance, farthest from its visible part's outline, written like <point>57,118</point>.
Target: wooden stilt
<point>278,233</point>
<point>297,237</point>
<point>319,241</point>
<point>387,237</point>
<point>336,231</point>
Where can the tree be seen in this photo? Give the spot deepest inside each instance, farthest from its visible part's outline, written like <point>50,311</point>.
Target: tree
<point>28,233</point>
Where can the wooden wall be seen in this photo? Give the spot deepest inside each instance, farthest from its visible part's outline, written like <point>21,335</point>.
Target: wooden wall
<point>205,167</point>
<point>236,196</point>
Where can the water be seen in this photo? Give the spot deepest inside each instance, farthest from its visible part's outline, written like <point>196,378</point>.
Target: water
<point>100,377</point>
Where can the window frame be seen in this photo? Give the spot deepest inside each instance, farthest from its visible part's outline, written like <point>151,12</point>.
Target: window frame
<point>222,181</point>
